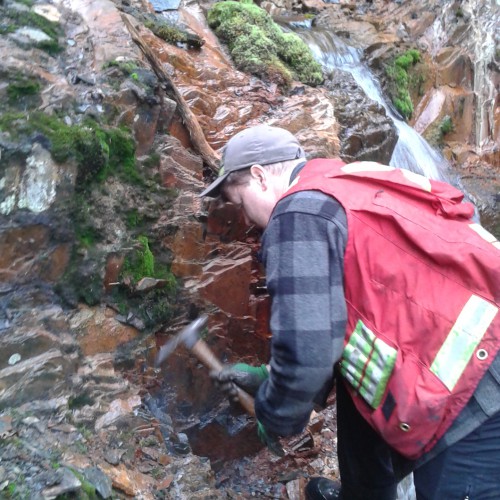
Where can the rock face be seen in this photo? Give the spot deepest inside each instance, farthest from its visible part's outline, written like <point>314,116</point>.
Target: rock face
<point>366,133</point>
<point>99,265</point>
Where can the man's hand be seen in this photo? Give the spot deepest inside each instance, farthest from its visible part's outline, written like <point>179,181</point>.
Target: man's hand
<point>245,376</point>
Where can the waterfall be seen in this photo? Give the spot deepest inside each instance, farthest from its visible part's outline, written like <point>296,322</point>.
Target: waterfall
<point>412,151</point>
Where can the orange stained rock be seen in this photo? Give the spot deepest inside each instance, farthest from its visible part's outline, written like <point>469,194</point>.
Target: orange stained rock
<point>131,482</point>
<point>100,333</point>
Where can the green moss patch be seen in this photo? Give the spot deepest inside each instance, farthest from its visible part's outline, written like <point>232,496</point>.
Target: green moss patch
<point>154,306</point>
<point>21,87</point>
<point>126,67</point>
<point>32,19</point>
<point>140,263</point>
<point>15,19</point>
<point>172,33</point>
<point>259,46</point>
<point>438,130</point>
<point>399,81</point>
<point>98,152</point>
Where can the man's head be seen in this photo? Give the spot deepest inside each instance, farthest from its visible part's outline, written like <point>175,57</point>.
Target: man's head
<point>255,170</point>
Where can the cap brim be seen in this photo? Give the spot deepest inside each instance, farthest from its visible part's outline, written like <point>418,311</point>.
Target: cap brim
<point>214,189</point>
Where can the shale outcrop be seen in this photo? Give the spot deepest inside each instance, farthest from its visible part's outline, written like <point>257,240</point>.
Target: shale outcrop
<point>106,250</point>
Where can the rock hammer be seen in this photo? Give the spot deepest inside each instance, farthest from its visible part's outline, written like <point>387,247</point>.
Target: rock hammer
<point>190,337</point>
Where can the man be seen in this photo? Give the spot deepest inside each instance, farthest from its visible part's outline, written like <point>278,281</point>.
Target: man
<point>380,279</point>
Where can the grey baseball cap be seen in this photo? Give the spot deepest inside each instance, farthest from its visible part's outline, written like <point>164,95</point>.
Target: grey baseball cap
<point>259,145</point>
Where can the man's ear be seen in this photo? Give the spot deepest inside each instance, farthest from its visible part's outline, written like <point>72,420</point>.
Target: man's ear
<point>260,175</point>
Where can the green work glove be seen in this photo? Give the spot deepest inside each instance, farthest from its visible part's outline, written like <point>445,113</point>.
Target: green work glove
<point>245,376</point>
<point>270,440</point>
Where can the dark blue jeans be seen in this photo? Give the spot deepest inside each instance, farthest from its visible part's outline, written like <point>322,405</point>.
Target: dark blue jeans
<point>370,470</point>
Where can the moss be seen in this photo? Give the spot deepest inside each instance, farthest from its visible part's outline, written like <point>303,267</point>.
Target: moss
<point>98,152</point>
<point>292,52</point>
<point>21,18</point>
<point>167,32</point>
<point>255,53</point>
<point>408,59</point>
<point>259,46</point>
<point>87,237</point>
<point>81,216</point>
<point>399,81</point>
<point>133,218</point>
<point>154,307</point>
<point>52,47</point>
<point>153,160</point>
<point>22,86</point>
<point>126,67</point>
<point>172,33</point>
<point>83,280</point>
<point>87,487</point>
<point>10,491</point>
<point>446,125</point>
<point>32,19</point>
<point>79,401</point>
<point>436,132</point>
<point>141,262</point>
<point>5,29</point>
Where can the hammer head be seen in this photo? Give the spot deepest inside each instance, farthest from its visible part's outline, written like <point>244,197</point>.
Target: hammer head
<point>188,336</point>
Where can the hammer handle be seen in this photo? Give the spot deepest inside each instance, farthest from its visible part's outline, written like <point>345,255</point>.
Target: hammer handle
<point>206,356</point>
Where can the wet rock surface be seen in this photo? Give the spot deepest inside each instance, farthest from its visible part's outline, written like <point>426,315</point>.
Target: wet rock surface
<point>83,413</point>
<point>366,133</point>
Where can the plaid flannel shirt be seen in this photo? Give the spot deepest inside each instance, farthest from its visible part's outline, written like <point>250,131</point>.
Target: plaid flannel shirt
<point>303,252</point>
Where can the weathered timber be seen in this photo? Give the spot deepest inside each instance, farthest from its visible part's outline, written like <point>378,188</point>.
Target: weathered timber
<point>210,157</point>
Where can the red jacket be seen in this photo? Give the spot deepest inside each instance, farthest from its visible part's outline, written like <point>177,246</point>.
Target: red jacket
<point>422,287</point>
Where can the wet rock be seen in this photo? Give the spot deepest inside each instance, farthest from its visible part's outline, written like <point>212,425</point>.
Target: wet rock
<point>181,444</point>
<point>226,273</point>
<point>68,483</point>
<point>5,426</point>
<point>130,482</point>
<point>99,480</point>
<point>367,133</point>
<point>89,323</point>
<point>117,409</point>
<point>182,230</point>
<point>113,456</point>
<point>455,68</point>
<point>36,377</point>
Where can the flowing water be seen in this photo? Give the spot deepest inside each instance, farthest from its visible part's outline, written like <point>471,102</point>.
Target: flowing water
<point>412,151</point>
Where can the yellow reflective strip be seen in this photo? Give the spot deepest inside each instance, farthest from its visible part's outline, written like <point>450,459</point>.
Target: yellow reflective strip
<point>465,335</point>
<point>366,166</point>
<point>417,179</point>
<point>486,235</point>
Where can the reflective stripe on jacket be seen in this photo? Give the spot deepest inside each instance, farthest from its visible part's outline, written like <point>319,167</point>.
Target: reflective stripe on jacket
<point>422,287</point>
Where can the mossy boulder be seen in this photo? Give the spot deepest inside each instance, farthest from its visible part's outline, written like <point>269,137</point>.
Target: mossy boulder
<point>259,46</point>
<point>98,151</point>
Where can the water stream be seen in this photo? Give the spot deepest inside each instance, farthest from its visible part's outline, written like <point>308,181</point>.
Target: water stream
<point>412,151</point>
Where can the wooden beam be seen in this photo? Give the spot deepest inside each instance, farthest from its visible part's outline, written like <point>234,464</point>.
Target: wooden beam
<point>210,157</point>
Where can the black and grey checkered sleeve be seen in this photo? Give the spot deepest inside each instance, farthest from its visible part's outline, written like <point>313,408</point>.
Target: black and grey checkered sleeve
<point>302,249</point>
